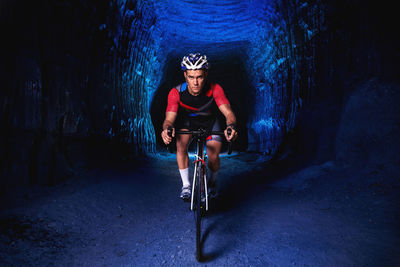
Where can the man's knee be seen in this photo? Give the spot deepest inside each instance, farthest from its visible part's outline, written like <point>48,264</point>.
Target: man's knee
<point>213,157</point>
<point>213,148</point>
<point>182,146</point>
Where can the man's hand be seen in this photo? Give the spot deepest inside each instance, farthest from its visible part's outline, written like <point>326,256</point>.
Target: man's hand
<point>233,135</point>
<point>166,138</point>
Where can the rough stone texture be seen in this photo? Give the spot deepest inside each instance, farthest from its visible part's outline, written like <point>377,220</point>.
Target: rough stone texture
<point>132,63</point>
<point>90,72</point>
<point>73,72</point>
<point>369,125</point>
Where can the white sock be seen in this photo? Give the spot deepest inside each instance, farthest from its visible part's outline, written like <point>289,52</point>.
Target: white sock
<point>185,176</point>
<point>213,175</point>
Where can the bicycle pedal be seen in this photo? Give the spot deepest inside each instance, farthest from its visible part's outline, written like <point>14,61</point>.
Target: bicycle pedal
<point>185,199</point>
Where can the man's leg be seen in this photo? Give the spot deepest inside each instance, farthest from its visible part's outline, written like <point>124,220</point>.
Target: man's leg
<point>182,143</point>
<point>182,158</point>
<point>213,149</point>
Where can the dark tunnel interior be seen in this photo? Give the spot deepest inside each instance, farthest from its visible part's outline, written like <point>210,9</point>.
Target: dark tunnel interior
<point>85,178</point>
<point>226,71</point>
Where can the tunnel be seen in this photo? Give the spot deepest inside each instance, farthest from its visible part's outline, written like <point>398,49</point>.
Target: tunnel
<point>314,85</point>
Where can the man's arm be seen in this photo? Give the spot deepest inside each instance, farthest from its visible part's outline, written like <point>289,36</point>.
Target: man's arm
<point>230,121</point>
<point>170,117</point>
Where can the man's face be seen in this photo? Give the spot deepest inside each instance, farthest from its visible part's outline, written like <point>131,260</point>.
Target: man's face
<point>195,80</point>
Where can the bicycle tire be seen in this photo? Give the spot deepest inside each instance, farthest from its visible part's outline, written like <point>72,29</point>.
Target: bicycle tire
<point>197,210</point>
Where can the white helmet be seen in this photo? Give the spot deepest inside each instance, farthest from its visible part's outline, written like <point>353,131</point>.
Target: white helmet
<point>195,62</point>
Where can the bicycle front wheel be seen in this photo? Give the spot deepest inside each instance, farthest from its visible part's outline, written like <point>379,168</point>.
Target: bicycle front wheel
<point>198,209</point>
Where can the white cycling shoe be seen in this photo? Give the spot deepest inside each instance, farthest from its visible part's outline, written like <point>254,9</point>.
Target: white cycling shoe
<point>186,193</point>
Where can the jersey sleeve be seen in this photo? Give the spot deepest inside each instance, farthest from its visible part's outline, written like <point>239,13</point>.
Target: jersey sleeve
<point>219,95</point>
<point>173,100</point>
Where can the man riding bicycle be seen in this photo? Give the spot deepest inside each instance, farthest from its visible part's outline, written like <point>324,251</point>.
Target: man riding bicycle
<point>193,105</point>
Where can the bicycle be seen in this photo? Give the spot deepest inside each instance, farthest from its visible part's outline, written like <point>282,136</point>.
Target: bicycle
<point>199,184</point>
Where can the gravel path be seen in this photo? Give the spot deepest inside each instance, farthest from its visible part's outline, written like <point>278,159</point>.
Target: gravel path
<point>130,215</point>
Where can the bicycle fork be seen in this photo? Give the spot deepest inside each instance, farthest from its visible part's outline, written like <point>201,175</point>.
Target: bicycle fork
<point>199,160</point>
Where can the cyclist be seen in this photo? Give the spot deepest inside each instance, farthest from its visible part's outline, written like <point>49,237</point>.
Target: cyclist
<point>192,105</point>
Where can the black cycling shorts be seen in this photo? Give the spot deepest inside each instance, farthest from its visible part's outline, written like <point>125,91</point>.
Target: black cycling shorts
<point>209,124</point>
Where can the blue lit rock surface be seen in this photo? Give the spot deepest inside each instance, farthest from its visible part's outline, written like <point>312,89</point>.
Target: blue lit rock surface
<point>270,39</point>
<point>88,79</point>
<point>132,70</point>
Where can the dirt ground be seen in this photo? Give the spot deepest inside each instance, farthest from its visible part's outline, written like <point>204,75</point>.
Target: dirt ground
<point>266,215</point>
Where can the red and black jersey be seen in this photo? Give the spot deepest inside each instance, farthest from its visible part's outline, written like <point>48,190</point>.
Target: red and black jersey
<point>197,110</point>
<point>200,104</point>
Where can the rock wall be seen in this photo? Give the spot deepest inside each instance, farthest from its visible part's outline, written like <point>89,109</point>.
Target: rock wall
<point>79,78</point>
<point>355,54</point>
<point>369,126</point>
<point>76,79</point>
<point>45,100</point>
<point>281,67</point>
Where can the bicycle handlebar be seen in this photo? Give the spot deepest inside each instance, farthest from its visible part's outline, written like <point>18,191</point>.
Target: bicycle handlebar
<point>202,132</point>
